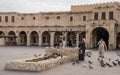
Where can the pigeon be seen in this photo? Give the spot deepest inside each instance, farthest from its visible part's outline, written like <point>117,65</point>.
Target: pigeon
<point>39,55</point>
<point>115,64</point>
<point>108,64</point>
<point>88,55</point>
<point>102,63</point>
<point>118,61</point>
<point>90,67</point>
<point>90,62</point>
<point>77,62</point>
<point>109,59</point>
<point>35,55</point>
<point>73,63</point>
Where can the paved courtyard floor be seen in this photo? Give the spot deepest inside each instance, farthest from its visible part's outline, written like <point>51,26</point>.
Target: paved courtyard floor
<point>11,53</point>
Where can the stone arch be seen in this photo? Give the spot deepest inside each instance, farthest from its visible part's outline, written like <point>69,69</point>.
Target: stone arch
<point>23,38</point>
<point>118,40</point>
<point>11,38</point>
<point>71,36</point>
<point>2,33</point>
<point>97,34</point>
<point>2,38</point>
<point>11,33</point>
<point>34,38</point>
<point>57,38</point>
<point>46,38</point>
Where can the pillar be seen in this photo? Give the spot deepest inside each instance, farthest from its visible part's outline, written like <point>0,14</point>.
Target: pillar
<point>112,37</point>
<point>77,39</point>
<point>40,39</point>
<point>65,37</point>
<point>28,39</point>
<point>17,39</point>
<point>52,39</point>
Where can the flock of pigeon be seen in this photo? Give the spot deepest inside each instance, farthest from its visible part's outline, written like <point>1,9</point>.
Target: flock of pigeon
<point>103,61</point>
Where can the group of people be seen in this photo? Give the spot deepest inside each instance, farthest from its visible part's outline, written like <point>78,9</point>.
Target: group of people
<point>82,47</point>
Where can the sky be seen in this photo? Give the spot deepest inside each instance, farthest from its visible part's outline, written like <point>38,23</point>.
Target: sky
<point>34,6</point>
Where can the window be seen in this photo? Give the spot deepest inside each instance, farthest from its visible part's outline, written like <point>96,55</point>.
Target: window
<point>47,18</point>
<point>71,18</point>
<point>58,17</point>
<point>6,18</point>
<point>0,19</point>
<point>96,16</point>
<point>13,19</point>
<point>84,18</point>
<point>33,18</point>
<point>103,15</point>
<point>111,15</point>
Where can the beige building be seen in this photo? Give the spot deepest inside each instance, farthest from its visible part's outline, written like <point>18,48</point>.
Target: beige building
<point>94,21</point>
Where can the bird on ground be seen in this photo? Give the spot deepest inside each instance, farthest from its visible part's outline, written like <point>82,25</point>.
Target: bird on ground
<point>109,59</point>
<point>108,64</point>
<point>89,55</point>
<point>39,55</point>
<point>90,67</point>
<point>115,64</point>
<point>90,62</point>
<point>35,55</point>
<point>102,63</point>
<point>77,62</point>
<point>73,63</point>
<point>118,61</point>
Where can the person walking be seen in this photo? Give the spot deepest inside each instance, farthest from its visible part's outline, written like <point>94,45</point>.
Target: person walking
<point>82,48</point>
<point>102,47</point>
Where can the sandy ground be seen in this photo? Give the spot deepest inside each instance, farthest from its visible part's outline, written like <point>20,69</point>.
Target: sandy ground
<point>12,53</point>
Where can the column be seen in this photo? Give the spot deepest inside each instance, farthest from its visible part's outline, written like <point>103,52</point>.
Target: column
<point>88,36</point>
<point>40,39</point>
<point>52,39</point>
<point>65,37</point>
<point>17,39</point>
<point>112,37</point>
<point>28,39</point>
<point>77,39</point>
<point>6,33</point>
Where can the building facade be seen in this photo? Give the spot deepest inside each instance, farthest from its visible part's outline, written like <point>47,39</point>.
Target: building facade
<point>93,21</point>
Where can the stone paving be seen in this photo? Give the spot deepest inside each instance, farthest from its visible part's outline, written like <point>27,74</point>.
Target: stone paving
<point>12,53</point>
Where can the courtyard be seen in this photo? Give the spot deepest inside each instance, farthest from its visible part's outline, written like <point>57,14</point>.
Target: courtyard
<point>14,52</point>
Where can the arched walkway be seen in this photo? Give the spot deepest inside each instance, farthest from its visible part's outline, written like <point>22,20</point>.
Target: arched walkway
<point>57,38</point>
<point>11,38</point>
<point>97,34</point>
<point>46,38</point>
<point>2,33</point>
<point>2,38</point>
<point>23,38</point>
<point>71,36</point>
<point>118,40</point>
<point>34,38</point>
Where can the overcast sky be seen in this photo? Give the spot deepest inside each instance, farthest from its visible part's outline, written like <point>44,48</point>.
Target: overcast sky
<point>29,6</point>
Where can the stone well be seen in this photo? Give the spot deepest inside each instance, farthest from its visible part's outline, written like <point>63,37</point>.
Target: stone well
<point>53,57</point>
